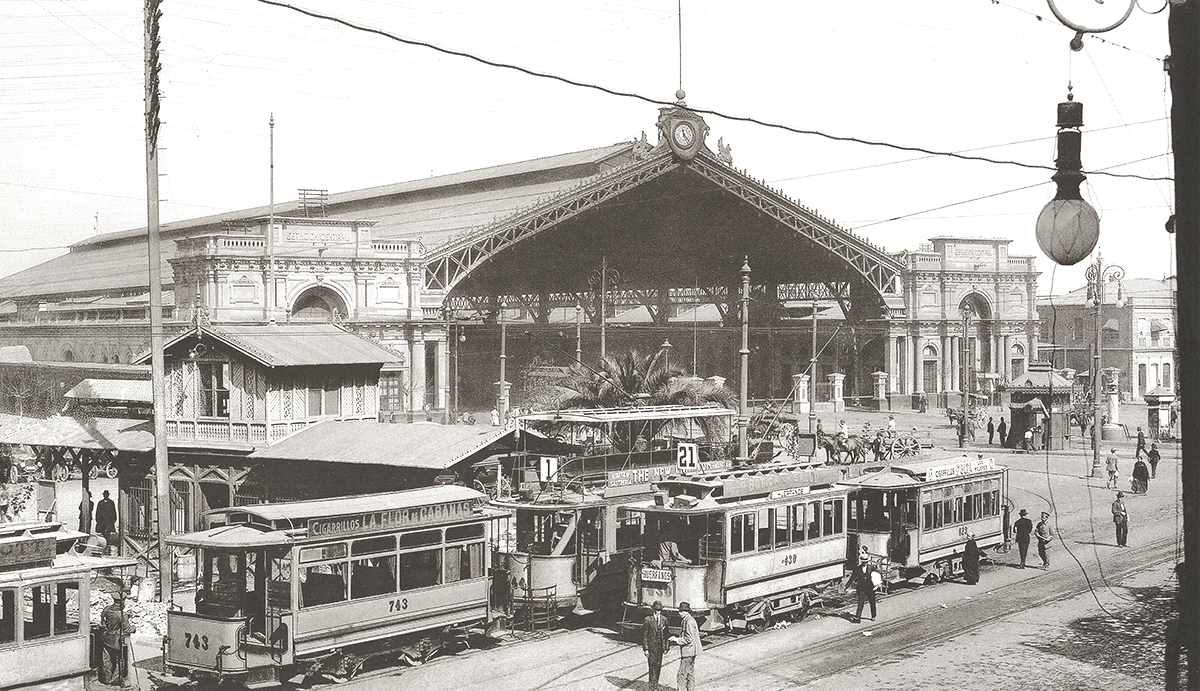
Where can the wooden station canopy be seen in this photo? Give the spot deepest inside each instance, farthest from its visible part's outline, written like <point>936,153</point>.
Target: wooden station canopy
<point>665,218</point>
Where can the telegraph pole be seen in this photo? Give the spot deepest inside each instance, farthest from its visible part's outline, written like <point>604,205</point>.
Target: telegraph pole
<point>153,14</point>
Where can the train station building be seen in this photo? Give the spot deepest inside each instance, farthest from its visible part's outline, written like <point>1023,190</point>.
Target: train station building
<point>639,243</point>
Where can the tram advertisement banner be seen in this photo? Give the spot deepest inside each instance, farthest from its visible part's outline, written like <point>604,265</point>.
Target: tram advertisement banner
<point>635,480</point>
<point>968,467</point>
<point>392,519</point>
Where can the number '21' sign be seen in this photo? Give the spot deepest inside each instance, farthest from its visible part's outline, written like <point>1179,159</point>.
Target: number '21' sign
<point>687,458</point>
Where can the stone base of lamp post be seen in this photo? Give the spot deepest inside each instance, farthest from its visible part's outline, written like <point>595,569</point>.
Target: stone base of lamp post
<point>1111,432</point>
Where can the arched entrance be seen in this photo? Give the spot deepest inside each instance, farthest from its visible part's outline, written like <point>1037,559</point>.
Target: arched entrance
<point>318,304</point>
<point>975,354</point>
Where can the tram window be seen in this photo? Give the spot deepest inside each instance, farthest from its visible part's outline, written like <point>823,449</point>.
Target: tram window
<point>814,520</point>
<point>797,516</point>
<point>66,608</point>
<point>420,569</point>
<point>629,529</point>
<point>8,616</point>
<point>464,532</point>
<point>928,517</point>
<point>372,576</point>
<point>969,513</point>
<point>420,539</point>
<point>322,584</point>
<point>766,525</point>
<point>464,562</point>
<point>741,533</point>
<point>36,608</point>
<point>947,512</point>
<point>838,513</point>
<point>781,526</point>
<point>958,509</point>
<point>323,552</point>
<point>374,545</point>
<point>937,514</point>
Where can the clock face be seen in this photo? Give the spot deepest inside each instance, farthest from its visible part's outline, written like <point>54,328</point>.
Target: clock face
<point>684,134</point>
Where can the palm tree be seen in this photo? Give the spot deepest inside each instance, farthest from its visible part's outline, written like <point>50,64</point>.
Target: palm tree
<point>628,379</point>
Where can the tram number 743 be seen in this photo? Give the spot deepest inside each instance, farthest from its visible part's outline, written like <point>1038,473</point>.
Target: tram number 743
<point>398,605</point>
<point>196,641</point>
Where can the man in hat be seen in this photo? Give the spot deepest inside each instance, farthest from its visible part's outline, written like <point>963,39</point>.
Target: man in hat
<point>1022,529</point>
<point>1111,464</point>
<point>1121,519</point>
<point>1154,456</point>
<point>654,641</point>
<point>690,647</point>
<point>114,666</point>
<point>991,428</point>
<point>106,521</point>
<point>1044,538</point>
<point>861,576</point>
<point>1141,445</point>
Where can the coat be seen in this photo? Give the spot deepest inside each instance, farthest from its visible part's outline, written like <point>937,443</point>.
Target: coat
<point>654,635</point>
<point>106,516</point>
<point>116,625</point>
<point>689,637</point>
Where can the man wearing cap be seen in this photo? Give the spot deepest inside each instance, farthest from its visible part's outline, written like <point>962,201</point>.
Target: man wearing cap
<point>1121,519</point>
<point>116,629</point>
<point>654,641</point>
<point>1044,538</point>
<point>690,647</point>
<point>1022,529</point>
<point>1154,456</point>
<point>862,583</point>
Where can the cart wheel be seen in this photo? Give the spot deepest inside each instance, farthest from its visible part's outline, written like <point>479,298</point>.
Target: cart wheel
<point>110,471</point>
<point>60,472</point>
<point>906,446</point>
<point>93,471</point>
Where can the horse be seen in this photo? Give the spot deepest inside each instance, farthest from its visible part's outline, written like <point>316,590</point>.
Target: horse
<point>853,448</point>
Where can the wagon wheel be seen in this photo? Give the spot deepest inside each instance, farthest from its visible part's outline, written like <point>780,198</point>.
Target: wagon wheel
<point>906,446</point>
<point>110,471</point>
<point>93,471</point>
<point>60,472</point>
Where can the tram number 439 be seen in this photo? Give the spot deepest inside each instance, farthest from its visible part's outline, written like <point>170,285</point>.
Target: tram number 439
<point>789,559</point>
<point>195,641</point>
<point>398,605</point>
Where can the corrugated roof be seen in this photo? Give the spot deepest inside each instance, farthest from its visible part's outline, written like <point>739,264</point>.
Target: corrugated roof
<point>425,445</point>
<point>364,503</point>
<point>134,390</point>
<point>293,345</point>
<point>18,353</point>
<point>87,433</point>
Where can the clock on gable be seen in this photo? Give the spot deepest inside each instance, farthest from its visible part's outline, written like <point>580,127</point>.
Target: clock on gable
<point>683,130</point>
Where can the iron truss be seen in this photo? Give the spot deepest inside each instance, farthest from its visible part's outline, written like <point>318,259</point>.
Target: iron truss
<point>877,268</point>
<point>450,263</point>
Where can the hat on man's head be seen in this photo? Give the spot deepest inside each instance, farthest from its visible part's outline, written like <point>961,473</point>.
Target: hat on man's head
<point>1120,495</point>
<point>1022,512</point>
<point>657,606</point>
<point>1045,514</point>
<point>684,607</point>
<point>864,557</point>
<point>106,493</point>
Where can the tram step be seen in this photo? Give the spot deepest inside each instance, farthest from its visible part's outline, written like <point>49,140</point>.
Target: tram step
<point>263,678</point>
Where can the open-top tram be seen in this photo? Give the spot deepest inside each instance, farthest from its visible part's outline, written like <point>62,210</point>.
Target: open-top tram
<point>740,547</point>
<point>325,585</point>
<point>570,545</point>
<point>916,516</point>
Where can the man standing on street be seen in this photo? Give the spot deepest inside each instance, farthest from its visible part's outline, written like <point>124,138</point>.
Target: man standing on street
<point>1022,528</point>
<point>991,431</point>
<point>1002,430</point>
<point>1121,519</point>
<point>1154,457</point>
<point>106,522</point>
<point>1141,446</point>
<point>654,642</point>
<point>861,576</point>
<point>86,506</point>
<point>1114,472</point>
<point>1044,538</point>
<point>690,647</point>
<point>116,629</point>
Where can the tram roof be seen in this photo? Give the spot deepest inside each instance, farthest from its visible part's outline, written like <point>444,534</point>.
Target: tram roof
<point>917,473</point>
<point>299,511</point>
<point>604,415</point>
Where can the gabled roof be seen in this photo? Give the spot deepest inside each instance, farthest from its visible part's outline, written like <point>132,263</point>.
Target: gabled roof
<point>423,445</point>
<point>291,345</point>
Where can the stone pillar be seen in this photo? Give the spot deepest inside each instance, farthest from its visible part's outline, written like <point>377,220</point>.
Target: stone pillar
<point>1112,431</point>
<point>890,358</point>
<point>443,373</point>
<point>909,385</point>
<point>955,363</point>
<point>880,399</point>
<point>416,385</point>
<point>944,383</point>
<point>835,381</point>
<point>918,365</point>
<point>1005,359</point>
<point>800,394</point>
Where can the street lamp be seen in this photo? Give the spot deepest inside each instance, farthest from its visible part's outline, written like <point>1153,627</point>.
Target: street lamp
<point>666,349</point>
<point>502,402</point>
<point>578,322</point>
<point>967,312</point>
<point>1097,276</point>
<point>743,408</point>
<point>1068,227</point>
<point>602,277</point>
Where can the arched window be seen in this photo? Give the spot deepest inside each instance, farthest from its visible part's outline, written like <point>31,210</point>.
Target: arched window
<point>930,351</point>
<point>318,304</point>
<point>68,355</point>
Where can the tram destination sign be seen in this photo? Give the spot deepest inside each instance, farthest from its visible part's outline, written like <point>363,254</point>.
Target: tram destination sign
<point>635,480</point>
<point>965,467</point>
<point>26,552</point>
<point>392,519</point>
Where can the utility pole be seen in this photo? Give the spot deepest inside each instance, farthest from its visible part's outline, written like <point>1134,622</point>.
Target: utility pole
<point>157,369</point>
<point>1184,66</point>
<point>743,403</point>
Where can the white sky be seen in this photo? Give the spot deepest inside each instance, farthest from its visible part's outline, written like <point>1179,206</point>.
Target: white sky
<point>355,110</point>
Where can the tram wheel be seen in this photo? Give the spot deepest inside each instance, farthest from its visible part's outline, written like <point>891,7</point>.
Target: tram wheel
<point>110,471</point>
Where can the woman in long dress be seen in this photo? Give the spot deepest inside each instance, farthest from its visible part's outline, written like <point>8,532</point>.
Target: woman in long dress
<point>1141,477</point>
<point>970,561</point>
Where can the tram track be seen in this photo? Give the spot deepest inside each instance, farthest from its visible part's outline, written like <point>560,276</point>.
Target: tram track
<point>934,625</point>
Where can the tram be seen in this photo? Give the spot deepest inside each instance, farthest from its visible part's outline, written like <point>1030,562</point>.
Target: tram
<point>917,515</point>
<point>325,585</point>
<point>570,544</point>
<point>740,547</point>
<point>45,590</point>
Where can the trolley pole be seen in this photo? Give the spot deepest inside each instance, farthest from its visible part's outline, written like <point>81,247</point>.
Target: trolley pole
<point>743,402</point>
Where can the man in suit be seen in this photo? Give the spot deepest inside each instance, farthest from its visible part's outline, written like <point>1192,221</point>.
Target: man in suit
<point>654,642</point>
<point>690,647</point>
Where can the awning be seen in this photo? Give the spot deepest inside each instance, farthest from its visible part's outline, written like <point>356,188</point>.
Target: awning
<point>125,390</point>
<point>115,434</point>
<point>1156,325</point>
